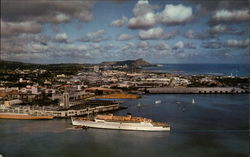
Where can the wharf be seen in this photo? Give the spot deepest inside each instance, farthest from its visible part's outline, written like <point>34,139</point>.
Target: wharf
<point>77,110</point>
<point>118,96</point>
<point>196,90</point>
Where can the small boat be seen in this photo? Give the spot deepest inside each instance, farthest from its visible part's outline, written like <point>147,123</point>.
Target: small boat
<point>120,123</point>
<point>157,101</point>
<point>138,105</point>
<point>25,116</point>
<point>193,102</point>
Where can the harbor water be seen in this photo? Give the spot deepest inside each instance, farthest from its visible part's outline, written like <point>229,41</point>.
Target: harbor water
<point>201,126</point>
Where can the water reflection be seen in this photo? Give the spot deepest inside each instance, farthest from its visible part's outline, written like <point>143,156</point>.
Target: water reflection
<point>109,134</point>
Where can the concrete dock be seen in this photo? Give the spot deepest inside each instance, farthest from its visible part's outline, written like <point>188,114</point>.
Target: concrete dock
<point>196,90</point>
<point>77,110</point>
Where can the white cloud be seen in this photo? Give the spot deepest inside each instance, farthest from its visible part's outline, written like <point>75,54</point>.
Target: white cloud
<point>157,33</point>
<point>62,18</point>
<point>47,11</point>
<point>143,45</point>
<point>144,21</point>
<point>12,28</point>
<point>128,46</point>
<point>224,29</point>
<point>29,57</point>
<point>85,15</point>
<point>212,45</point>
<point>35,47</point>
<point>162,46</point>
<point>153,33</point>
<point>219,29</point>
<point>93,36</point>
<point>237,43</point>
<point>143,7</point>
<point>76,47</point>
<point>142,2</point>
<point>179,45</point>
<point>96,34</point>
<point>144,15</point>
<point>169,35</point>
<point>175,14</point>
<point>125,37</point>
<point>61,37</point>
<point>182,45</point>
<point>231,16</point>
<point>119,22</point>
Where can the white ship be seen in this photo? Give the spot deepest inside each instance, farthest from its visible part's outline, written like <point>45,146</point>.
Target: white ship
<point>121,123</point>
<point>157,101</point>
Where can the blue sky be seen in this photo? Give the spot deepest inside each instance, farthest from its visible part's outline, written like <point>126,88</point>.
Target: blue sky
<point>160,31</point>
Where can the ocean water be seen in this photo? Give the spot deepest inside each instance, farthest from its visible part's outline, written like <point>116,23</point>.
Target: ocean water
<point>208,69</point>
<point>214,126</point>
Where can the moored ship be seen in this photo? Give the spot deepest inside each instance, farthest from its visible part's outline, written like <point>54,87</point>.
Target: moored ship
<point>25,116</point>
<point>120,123</point>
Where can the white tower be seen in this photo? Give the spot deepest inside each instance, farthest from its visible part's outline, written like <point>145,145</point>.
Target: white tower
<point>66,99</point>
<point>96,68</point>
<point>79,87</point>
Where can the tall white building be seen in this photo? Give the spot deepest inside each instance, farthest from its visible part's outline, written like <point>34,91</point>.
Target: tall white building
<point>96,68</point>
<point>66,99</point>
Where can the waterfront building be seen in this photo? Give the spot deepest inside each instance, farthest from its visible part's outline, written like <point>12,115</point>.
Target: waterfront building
<point>12,102</point>
<point>96,68</point>
<point>65,99</point>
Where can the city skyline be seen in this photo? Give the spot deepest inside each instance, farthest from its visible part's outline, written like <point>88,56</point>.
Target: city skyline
<point>183,31</point>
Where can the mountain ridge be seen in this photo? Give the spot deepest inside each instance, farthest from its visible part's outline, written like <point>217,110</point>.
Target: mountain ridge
<point>136,63</point>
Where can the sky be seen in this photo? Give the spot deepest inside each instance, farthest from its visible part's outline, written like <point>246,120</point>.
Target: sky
<point>92,31</point>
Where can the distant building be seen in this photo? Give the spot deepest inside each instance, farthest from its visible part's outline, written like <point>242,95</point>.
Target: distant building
<point>20,80</point>
<point>66,99</point>
<point>34,90</point>
<point>100,91</point>
<point>61,76</point>
<point>96,68</point>
<point>12,102</point>
<point>79,87</point>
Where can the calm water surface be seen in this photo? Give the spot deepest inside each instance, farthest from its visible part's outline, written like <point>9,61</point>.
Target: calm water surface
<point>215,126</point>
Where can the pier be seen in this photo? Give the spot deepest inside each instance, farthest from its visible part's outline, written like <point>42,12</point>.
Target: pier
<point>196,90</point>
<point>118,96</point>
<point>77,110</point>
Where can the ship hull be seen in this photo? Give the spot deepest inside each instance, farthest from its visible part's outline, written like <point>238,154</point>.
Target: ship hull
<point>24,116</point>
<point>101,124</point>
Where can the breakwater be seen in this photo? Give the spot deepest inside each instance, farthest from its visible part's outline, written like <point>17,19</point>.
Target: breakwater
<point>196,90</point>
